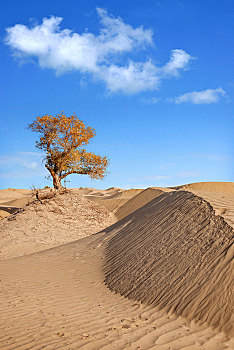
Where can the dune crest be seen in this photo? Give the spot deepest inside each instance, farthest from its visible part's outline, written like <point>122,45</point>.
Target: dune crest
<point>140,199</point>
<point>175,253</point>
<point>219,187</point>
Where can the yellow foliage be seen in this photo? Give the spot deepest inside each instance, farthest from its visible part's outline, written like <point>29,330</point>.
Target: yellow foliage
<point>63,139</point>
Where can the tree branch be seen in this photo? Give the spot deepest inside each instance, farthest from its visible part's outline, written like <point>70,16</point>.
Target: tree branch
<point>80,172</point>
<point>50,170</point>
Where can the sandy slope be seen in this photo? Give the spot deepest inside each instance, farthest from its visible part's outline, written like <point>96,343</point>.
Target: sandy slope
<point>173,252</point>
<point>223,203</point>
<point>219,194</point>
<point>60,220</point>
<point>139,200</point>
<point>11,199</point>
<point>113,199</point>
<point>11,194</point>
<point>4,213</point>
<point>217,187</point>
<point>56,299</point>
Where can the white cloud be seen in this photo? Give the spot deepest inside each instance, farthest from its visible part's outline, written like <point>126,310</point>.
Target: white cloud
<point>24,163</point>
<point>130,79</point>
<point>179,60</point>
<point>64,50</point>
<point>30,165</point>
<point>33,154</point>
<point>201,97</point>
<point>24,159</point>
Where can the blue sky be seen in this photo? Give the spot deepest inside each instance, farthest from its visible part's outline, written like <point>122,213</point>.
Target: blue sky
<point>154,78</point>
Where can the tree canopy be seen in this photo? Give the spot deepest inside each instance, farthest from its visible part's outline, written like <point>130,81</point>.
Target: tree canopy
<point>63,140</point>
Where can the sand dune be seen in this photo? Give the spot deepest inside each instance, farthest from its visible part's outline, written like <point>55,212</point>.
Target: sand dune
<point>219,194</point>
<point>223,204</point>
<point>56,299</point>
<point>176,254</point>
<point>13,199</point>
<point>60,220</point>
<point>11,194</point>
<point>113,189</point>
<point>110,204</point>
<point>171,258</point>
<point>112,199</point>
<point>22,191</point>
<point>19,203</point>
<point>221,187</point>
<point>128,193</point>
<point>138,201</point>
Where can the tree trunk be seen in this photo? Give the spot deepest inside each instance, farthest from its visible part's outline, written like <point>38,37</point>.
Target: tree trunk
<point>57,182</point>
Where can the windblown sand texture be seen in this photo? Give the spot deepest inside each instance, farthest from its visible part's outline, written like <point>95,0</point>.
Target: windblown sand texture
<point>56,299</point>
<point>176,254</point>
<point>139,200</point>
<point>219,194</point>
<point>172,257</point>
<point>222,204</point>
<point>217,187</point>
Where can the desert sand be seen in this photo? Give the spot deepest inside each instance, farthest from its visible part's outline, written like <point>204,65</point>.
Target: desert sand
<point>159,277</point>
<point>53,222</point>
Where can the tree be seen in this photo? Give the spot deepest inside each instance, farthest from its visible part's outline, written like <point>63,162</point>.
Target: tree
<point>63,139</point>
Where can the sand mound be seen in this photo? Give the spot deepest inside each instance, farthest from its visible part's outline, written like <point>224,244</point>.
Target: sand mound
<point>222,187</point>
<point>175,253</point>
<point>219,194</point>
<point>140,199</point>
<point>10,195</point>
<point>223,203</point>
<point>11,199</point>
<point>82,190</point>
<point>113,200</point>
<point>113,189</point>
<point>23,191</point>
<point>56,299</point>
<point>128,193</point>
<point>59,220</point>
<point>19,203</point>
<point>109,203</point>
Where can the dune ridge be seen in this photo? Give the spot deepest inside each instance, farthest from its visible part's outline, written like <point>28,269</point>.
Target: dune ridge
<point>219,194</point>
<point>221,187</point>
<point>175,253</point>
<point>111,199</point>
<point>139,200</point>
<point>11,199</point>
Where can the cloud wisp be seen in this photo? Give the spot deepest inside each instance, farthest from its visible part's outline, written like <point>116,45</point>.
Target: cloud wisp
<point>201,97</point>
<point>22,164</point>
<point>104,56</point>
